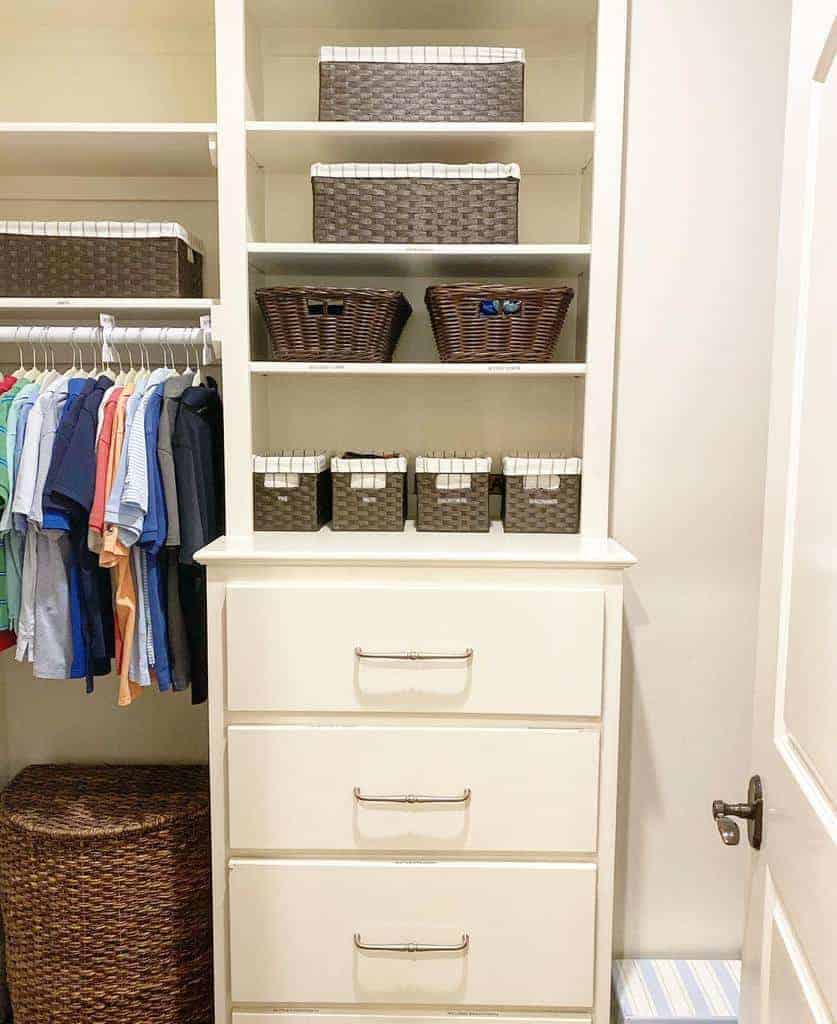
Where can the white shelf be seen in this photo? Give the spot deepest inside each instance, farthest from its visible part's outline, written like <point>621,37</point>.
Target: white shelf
<point>165,311</point>
<point>538,146</point>
<point>401,260</point>
<point>269,369</point>
<point>158,150</point>
<point>410,547</point>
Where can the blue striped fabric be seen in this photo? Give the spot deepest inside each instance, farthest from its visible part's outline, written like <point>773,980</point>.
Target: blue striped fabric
<point>674,991</point>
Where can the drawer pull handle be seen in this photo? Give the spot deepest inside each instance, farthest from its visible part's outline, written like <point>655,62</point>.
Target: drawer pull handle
<point>412,947</point>
<point>412,798</point>
<point>415,656</point>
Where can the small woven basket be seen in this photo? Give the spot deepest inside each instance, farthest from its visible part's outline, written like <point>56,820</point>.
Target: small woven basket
<point>421,84</point>
<point>348,325</point>
<point>452,494</point>
<point>372,203</point>
<point>475,323</point>
<point>370,493</point>
<point>291,492</point>
<point>541,495</point>
<point>105,889</point>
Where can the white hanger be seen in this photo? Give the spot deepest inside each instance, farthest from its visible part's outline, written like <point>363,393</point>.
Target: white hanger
<point>31,374</point>
<point>20,372</point>
<point>198,379</point>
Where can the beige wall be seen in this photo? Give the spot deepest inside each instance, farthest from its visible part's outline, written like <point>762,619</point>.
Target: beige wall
<point>705,119</point>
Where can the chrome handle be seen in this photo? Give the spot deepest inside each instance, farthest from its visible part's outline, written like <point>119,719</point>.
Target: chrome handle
<point>412,798</point>
<point>414,656</point>
<point>411,947</point>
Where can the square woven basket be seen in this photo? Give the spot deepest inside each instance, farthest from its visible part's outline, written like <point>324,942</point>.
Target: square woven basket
<point>541,495</point>
<point>452,494</point>
<point>291,492</point>
<point>421,83</point>
<point>420,204</point>
<point>369,493</point>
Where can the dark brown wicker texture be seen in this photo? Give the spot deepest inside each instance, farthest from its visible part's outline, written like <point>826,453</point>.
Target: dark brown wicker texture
<point>452,511</point>
<point>382,509</point>
<point>542,511</point>
<point>357,325</point>
<point>307,507</point>
<point>477,211</point>
<point>383,91</point>
<point>105,894</point>
<point>524,328</point>
<point>40,266</point>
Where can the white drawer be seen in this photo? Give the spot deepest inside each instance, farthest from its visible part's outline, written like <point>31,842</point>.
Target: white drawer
<point>536,650</point>
<point>316,1017</point>
<point>292,788</point>
<point>530,931</point>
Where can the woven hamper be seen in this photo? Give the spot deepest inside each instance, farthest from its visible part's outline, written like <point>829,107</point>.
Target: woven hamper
<point>291,492</point>
<point>349,325</point>
<point>99,259</point>
<point>495,323</point>
<point>370,492</point>
<point>541,495</point>
<point>106,896</point>
<point>441,204</point>
<point>452,494</point>
<point>421,83</point>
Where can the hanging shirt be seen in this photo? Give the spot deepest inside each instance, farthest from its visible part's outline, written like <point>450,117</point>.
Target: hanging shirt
<point>5,490</point>
<point>15,540</point>
<point>104,438</point>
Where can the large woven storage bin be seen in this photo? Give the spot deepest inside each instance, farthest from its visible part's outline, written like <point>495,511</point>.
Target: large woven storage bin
<point>541,495</point>
<point>370,493</point>
<point>347,325</point>
<point>89,259</point>
<point>476,323</point>
<point>452,494</point>
<point>420,204</point>
<point>291,492</point>
<point>421,83</point>
<point>105,895</point>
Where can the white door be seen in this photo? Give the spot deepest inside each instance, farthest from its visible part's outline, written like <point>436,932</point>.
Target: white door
<point>790,956</point>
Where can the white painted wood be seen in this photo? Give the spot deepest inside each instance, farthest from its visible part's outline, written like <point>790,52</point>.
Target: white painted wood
<point>530,927</point>
<point>536,650</point>
<point>495,548</point>
<point>532,790</point>
<point>790,966</point>
<point>422,369</point>
<point>157,309</point>
<point>406,1017</point>
<point>542,147</point>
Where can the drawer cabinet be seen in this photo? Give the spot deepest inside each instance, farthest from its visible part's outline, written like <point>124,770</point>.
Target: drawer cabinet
<point>443,648</point>
<point>496,789</point>
<point>502,934</point>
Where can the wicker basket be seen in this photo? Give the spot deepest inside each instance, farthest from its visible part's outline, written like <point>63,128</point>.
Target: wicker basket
<point>99,260</point>
<point>105,894</point>
<point>541,495</point>
<point>452,494</point>
<point>348,325</point>
<point>370,492</point>
<point>291,492</point>
<point>421,83</point>
<point>494,323</point>
<point>416,203</point>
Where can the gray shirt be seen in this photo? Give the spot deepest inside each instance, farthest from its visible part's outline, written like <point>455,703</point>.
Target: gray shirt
<point>172,390</point>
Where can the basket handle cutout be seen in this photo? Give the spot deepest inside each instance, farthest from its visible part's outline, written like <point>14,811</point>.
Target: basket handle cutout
<point>493,307</point>
<point>314,307</point>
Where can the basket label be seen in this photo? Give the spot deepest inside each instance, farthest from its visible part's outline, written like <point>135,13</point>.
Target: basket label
<point>543,501</point>
<point>368,500</point>
<point>451,501</point>
<point>282,497</point>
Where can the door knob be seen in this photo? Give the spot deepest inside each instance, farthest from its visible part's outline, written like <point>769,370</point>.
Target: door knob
<point>752,812</point>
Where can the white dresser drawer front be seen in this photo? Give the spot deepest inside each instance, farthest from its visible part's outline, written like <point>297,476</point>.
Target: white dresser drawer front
<point>531,790</point>
<point>312,647</point>
<point>307,1017</point>
<point>295,928</point>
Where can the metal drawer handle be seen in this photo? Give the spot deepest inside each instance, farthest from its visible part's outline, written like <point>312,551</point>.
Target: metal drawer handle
<point>412,947</point>
<point>415,656</point>
<point>412,798</point>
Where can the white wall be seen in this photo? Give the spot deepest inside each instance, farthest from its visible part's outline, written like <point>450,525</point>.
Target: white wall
<point>705,120</point>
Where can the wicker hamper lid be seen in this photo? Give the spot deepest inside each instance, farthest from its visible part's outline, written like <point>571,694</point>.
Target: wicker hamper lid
<point>102,229</point>
<point>85,801</point>
<point>422,54</point>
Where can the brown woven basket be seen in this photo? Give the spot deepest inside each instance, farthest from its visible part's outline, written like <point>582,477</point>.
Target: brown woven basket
<point>476,211</point>
<point>40,266</point>
<point>349,325</point>
<point>303,508</point>
<point>443,509</point>
<point>106,896</point>
<point>380,91</point>
<point>476,323</point>
<point>383,509</point>
<point>542,511</point>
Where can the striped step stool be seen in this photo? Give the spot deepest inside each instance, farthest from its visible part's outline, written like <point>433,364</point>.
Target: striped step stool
<point>676,991</point>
